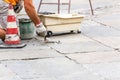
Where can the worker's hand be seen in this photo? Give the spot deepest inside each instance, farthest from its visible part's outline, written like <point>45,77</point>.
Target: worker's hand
<point>41,30</point>
<point>13,2</point>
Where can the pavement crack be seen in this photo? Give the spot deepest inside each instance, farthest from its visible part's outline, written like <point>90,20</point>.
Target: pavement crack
<point>72,59</point>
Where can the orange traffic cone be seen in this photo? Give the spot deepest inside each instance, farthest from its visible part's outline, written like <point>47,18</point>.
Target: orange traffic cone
<point>12,38</point>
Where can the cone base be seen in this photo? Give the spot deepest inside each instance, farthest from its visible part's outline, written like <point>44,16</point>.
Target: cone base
<point>6,46</point>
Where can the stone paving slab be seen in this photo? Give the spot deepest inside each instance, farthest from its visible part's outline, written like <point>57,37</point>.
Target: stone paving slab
<point>95,57</point>
<point>34,49</point>
<point>104,34</point>
<point>7,74</point>
<point>76,43</point>
<point>110,71</point>
<point>30,54</point>
<point>50,69</point>
<point>112,20</point>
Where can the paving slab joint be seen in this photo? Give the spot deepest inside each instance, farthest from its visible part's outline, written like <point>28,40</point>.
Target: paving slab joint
<point>104,24</point>
<point>72,59</point>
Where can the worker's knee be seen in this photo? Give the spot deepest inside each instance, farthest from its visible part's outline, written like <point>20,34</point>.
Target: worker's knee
<point>2,34</point>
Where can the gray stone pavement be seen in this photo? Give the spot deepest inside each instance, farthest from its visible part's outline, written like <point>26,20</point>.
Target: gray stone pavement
<point>92,55</point>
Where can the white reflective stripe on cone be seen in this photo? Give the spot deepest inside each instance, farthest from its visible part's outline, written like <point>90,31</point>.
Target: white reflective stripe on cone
<point>12,37</point>
<point>11,25</point>
<point>11,12</point>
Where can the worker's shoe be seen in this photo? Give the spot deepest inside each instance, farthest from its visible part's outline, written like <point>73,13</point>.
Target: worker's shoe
<point>41,30</point>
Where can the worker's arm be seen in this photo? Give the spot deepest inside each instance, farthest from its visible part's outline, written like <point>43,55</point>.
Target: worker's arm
<point>30,10</point>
